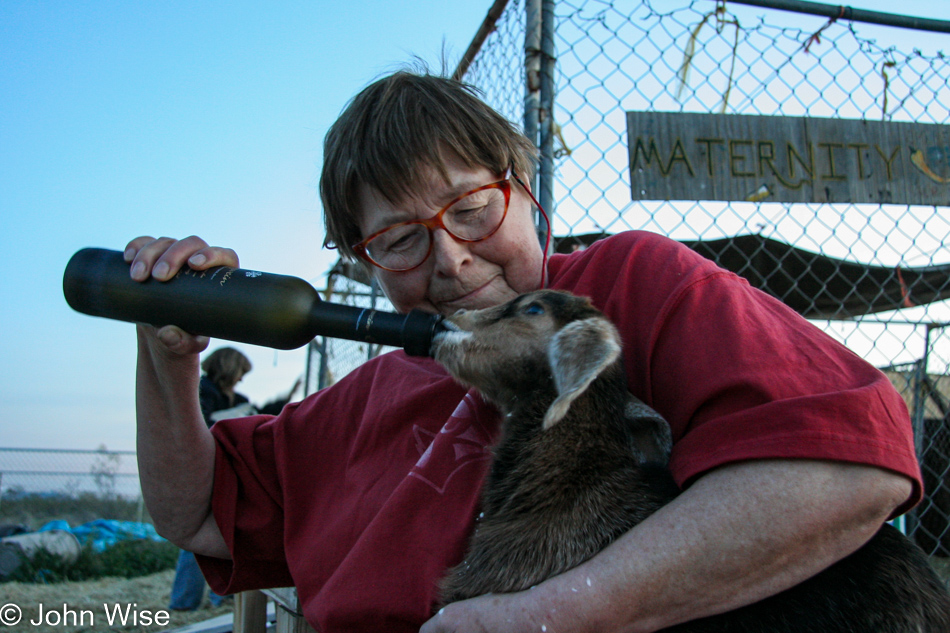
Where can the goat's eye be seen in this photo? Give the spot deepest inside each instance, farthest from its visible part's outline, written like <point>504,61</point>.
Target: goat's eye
<point>534,308</point>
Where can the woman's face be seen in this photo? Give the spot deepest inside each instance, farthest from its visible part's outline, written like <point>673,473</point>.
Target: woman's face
<point>458,275</point>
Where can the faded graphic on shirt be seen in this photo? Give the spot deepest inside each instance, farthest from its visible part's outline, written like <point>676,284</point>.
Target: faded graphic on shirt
<point>466,438</point>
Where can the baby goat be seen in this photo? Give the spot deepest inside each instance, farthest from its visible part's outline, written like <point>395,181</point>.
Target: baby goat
<point>581,461</point>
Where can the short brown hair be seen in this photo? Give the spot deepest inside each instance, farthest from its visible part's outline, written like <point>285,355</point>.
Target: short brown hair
<point>225,366</point>
<point>397,125</point>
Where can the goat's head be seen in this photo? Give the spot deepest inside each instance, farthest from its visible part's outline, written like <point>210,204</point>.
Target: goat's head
<point>536,339</point>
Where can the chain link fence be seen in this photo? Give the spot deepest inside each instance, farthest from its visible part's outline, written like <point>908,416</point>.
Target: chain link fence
<point>104,473</point>
<point>569,71</point>
<point>611,57</point>
<point>76,486</point>
<point>329,359</point>
<point>927,394</point>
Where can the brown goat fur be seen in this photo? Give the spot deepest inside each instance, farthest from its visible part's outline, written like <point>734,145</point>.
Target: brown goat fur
<point>581,461</point>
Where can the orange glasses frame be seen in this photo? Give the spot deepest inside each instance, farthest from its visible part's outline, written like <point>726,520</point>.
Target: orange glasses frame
<point>435,222</point>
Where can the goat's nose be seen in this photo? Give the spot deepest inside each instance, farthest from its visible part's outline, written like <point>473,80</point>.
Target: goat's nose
<point>460,312</point>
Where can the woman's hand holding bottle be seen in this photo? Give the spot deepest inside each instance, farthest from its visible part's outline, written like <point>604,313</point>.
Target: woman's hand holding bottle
<point>161,259</point>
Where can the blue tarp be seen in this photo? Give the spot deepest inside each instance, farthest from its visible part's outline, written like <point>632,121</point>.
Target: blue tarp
<point>103,533</point>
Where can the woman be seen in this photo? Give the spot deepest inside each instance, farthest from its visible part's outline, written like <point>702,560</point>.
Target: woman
<point>791,450</point>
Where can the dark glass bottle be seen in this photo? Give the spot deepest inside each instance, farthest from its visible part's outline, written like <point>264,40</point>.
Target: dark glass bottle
<point>235,304</point>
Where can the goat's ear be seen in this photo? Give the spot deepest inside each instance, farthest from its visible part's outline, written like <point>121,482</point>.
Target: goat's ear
<point>650,434</point>
<point>578,353</point>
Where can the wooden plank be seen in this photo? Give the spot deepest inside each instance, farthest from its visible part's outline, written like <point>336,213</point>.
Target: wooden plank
<point>688,156</point>
<point>288,622</point>
<point>285,597</point>
<point>289,614</point>
<point>250,612</point>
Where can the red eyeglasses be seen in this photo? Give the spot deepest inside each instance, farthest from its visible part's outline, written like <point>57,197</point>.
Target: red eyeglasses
<point>471,217</point>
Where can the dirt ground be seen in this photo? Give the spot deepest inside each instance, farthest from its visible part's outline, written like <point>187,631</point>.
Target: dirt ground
<point>143,601</point>
<point>148,595</point>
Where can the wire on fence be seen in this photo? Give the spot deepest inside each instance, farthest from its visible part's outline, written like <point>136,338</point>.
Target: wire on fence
<point>614,57</point>
<point>604,58</point>
<point>102,473</point>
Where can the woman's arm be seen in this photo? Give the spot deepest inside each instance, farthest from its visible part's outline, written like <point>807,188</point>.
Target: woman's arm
<point>739,534</point>
<point>176,452</point>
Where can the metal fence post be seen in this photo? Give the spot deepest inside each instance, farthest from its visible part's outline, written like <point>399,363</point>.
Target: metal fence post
<point>324,364</point>
<point>546,113</point>
<point>532,86</point>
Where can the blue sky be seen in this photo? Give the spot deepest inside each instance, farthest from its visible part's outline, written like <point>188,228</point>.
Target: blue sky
<point>169,118</point>
<point>174,118</point>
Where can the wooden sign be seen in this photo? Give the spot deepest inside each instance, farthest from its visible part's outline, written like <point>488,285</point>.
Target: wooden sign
<point>685,156</point>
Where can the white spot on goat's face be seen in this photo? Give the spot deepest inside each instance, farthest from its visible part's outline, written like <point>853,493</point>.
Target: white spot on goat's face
<point>450,339</point>
<point>448,346</point>
<point>501,349</point>
<point>483,348</point>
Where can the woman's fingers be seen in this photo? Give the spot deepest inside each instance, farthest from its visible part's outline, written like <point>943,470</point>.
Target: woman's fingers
<point>180,342</point>
<point>145,260</point>
<point>162,258</point>
<point>133,247</point>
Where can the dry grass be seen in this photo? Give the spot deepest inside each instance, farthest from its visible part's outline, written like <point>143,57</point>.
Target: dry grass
<point>146,593</point>
<point>149,593</point>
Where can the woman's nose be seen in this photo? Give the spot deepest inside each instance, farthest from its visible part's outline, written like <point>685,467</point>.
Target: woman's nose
<point>449,254</point>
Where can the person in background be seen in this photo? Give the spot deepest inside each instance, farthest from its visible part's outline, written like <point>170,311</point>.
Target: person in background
<point>223,369</point>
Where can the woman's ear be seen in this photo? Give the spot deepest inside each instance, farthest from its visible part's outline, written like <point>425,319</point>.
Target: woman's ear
<point>578,353</point>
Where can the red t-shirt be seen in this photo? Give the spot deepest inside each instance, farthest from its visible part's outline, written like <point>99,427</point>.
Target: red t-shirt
<point>363,494</point>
